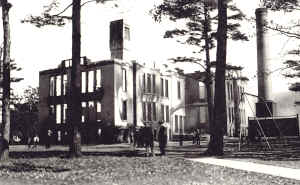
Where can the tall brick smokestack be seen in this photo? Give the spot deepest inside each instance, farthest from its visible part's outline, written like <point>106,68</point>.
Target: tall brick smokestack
<point>263,60</point>
<point>265,107</point>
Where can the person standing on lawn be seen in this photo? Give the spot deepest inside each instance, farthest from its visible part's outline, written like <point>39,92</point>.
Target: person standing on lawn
<point>194,136</point>
<point>162,137</point>
<point>148,139</point>
<point>198,135</point>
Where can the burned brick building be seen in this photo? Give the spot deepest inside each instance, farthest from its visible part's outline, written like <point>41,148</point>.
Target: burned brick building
<point>235,103</point>
<point>118,93</point>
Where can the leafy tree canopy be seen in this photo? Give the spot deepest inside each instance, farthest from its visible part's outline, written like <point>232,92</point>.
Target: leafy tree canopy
<point>286,5</point>
<point>52,16</point>
<point>192,14</point>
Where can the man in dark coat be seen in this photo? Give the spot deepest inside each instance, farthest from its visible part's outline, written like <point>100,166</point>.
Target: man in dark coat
<point>162,138</point>
<point>148,138</point>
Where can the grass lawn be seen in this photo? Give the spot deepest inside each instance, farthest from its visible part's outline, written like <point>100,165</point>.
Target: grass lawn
<point>122,167</point>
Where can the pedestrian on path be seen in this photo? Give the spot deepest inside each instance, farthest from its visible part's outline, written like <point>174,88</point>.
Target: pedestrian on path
<point>162,137</point>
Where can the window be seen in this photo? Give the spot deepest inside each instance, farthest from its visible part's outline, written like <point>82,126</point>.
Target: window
<point>58,114</point>
<point>202,90</point>
<point>98,107</point>
<point>65,109</point>
<point>91,81</point>
<point>181,124</point>
<point>232,112</point>
<point>126,33</point>
<point>124,110</point>
<point>231,91</point>
<point>58,85</point>
<point>228,90</point>
<point>52,85</point>
<point>149,111</point>
<point>91,104</point>
<point>0,111</point>
<point>144,111</point>
<point>83,82</point>
<point>148,83</point>
<point>167,114</point>
<point>91,111</point>
<point>52,109</point>
<point>243,97</point>
<point>59,135</point>
<point>203,111</point>
<point>238,92</point>
<point>241,116</point>
<point>166,88</point>
<point>178,90</point>
<point>162,87</point>
<point>98,78</point>
<point>98,110</point>
<point>153,84</point>
<point>82,60</point>
<point>68,63</point>
<point>124,80</point>
<point>65,84</point>
<point>176,124</point>
<point>83,116</point>
<point>144,82</point>
<point>154,111</point>
<point>162,109</point>
<point>229,114</point>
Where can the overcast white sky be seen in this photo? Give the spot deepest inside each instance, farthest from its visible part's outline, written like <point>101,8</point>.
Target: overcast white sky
<point>35,49</point>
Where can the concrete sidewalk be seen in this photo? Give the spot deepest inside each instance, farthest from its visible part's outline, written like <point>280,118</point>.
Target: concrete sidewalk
<point>253,167</point>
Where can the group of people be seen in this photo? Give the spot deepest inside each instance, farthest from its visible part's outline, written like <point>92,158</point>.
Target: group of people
<point>145,137</point>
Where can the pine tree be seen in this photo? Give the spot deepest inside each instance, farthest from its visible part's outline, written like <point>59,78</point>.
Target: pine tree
<point>199,29</point>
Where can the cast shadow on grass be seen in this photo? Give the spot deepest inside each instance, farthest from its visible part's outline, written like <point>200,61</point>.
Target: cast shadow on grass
<point>27,167</point>
<point>65,154</point>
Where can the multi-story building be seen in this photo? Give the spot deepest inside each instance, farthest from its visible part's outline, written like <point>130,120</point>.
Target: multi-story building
<point>118,93</point>
<point>235,101</point>
<point>236,115</point>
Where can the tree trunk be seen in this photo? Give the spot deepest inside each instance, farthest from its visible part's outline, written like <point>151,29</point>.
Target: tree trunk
<point>237,113</point>
<point>75,100</point>
<point>5,126</point>
<point>208,80</point>
<point>216,144</point>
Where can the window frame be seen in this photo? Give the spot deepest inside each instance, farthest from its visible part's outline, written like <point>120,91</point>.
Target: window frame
<point>52,86</point>
<point>58,85</point>
<point>91,81</point>
<point>124,80</point>
<point>124,110</point>
<point>178,90</point>
<point>58,114</point>
<point>83,82</point>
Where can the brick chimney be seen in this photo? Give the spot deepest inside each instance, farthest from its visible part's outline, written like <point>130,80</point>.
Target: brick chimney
<point>119,39</point>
